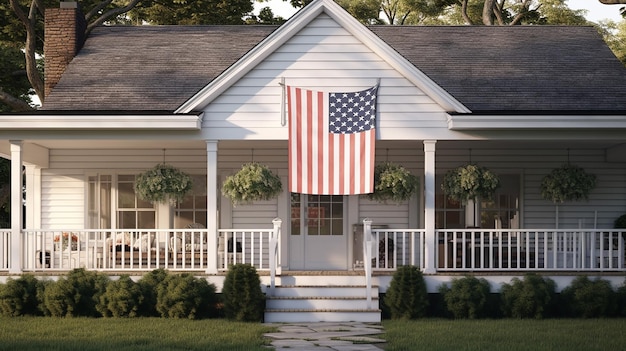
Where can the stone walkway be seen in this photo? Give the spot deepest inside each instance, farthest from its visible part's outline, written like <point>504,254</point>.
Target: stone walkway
<point>340,336</point>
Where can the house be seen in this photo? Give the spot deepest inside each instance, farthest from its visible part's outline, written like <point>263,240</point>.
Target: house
<point>519,100</point>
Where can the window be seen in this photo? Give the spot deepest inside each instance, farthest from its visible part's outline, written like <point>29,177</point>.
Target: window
<point>504,207</point>
<point>130,211</point>
<point>316,214</point>
<point>99,201</point>
<point>193,208</point>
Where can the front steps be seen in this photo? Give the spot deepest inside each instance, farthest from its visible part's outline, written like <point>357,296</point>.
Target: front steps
<point>313,303</point>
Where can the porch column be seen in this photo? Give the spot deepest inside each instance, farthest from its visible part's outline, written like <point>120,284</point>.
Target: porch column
<point>211,206</point>
<point>15,264</point>
<point>430,242</point>
<point>33,196</point>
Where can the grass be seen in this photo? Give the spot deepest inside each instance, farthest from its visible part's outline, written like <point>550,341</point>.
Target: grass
<point>506,334</point>
<point>46,333</point>
<point>91,334</point>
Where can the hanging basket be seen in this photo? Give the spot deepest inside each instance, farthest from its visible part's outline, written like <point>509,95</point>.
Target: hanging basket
<point>253,182</point>
<point>567,183</point>
<point>470,182</point>
<point>393,183</point>
<point>164,184</point>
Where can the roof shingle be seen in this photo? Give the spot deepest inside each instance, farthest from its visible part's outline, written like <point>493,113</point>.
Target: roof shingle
<point>487,68</point>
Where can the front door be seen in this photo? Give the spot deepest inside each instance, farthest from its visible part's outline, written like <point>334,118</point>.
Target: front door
<point>318,239</point>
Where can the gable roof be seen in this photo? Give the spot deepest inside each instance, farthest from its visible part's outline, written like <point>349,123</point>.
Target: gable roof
<point>485,68</point>
<point>516,68</point>
<point>149,68</point>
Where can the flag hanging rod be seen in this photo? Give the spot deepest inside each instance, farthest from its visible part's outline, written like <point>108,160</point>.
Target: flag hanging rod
<point>283,115</point>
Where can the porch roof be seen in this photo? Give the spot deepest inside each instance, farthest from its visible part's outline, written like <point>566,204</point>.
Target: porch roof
<point>487,68</point>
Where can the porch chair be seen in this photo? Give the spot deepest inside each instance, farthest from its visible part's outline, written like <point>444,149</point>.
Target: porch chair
<point>190,243</point>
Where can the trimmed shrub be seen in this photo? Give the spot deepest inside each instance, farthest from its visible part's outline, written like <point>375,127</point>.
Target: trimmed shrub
<point>242,295</point>
<point>621,300</point>
<point>407,297</point>
<point>185,296</point>
<point>590,298</point>
<point>531,297</point>
<point>467,297</point>
<point>75,295</point>
<point>122,298</point>
<point>18,297</point>
<point>149,285</point>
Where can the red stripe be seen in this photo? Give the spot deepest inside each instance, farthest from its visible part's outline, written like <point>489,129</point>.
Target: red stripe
<point>298,137</point>
<point>330,178</point>
<point>321,135</point>
<point>340,163</point>
<point>363,156</point>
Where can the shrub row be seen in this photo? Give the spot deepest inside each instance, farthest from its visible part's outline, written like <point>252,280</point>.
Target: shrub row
<point>158,293</point>
<point>533,296</point>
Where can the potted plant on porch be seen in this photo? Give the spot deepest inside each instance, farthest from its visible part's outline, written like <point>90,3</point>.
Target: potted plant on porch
<point>163,183</point>
<point>393,182</point>
<point>567,183</point>
<point>469,183</point>
<point>253,182</point>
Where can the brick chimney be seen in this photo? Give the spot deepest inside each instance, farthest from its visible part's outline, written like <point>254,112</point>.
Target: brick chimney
<point>64,35</point>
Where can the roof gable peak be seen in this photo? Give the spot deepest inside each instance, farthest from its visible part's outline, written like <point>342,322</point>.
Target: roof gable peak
<point>299,21</point>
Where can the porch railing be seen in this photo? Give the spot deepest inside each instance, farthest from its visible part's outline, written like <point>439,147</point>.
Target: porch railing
<point>531,249</point>
<point>454,250</point>
<point>5,245</point>
<point>504,249</point>
<point>114,250</point>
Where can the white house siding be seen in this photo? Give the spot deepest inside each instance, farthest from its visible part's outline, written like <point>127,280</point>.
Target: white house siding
<point>63,184</point>
<point>322,56</point>
<point>607,201</point>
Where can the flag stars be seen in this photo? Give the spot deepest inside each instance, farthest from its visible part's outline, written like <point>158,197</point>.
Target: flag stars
<point>352,112</point>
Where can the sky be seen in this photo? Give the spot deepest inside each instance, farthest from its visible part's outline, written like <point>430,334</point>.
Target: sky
<point>597,10</point>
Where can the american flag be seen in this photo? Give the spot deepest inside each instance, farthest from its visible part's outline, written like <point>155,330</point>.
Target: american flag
<point>331,141</point>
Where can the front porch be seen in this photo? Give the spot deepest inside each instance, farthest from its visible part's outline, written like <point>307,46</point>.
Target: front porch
<point>450,250</point>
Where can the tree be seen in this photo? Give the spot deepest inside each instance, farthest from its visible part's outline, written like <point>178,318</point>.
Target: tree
<point>615,37</point>
<point>512,12</point>
<point>189,12</point>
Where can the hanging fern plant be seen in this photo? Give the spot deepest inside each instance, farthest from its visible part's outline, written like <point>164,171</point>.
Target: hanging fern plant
<point>470,182</point>
<point>393,182</point>
<point>252,182</point>
<point>164,184</point>
<point>567,183</point>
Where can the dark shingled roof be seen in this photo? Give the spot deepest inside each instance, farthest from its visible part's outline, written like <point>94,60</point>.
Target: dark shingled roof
<point>487,68</point>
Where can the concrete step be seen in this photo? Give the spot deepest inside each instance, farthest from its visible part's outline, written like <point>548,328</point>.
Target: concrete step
<point>314,303</point>
<point>320,302</point>
<point>322,290</point>
<point>311,316</point>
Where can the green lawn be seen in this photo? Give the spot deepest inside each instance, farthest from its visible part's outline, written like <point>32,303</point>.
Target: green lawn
<point>506,335</point>
<point>39,333</point>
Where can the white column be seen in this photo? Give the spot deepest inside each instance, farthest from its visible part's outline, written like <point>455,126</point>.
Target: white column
<point>15,265</point>
<point>33,196</point>
<point>212,195</point>
<point>430,249</point>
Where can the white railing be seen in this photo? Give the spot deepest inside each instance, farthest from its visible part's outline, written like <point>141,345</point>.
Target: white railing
<point>141,249</point>
<point>397,247</point>
<point>531,249</point>
<point>503,249</point>
<point>249,246</point>
<point>5,252</point>
<point>457,250</point>
<point>275,253</point>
